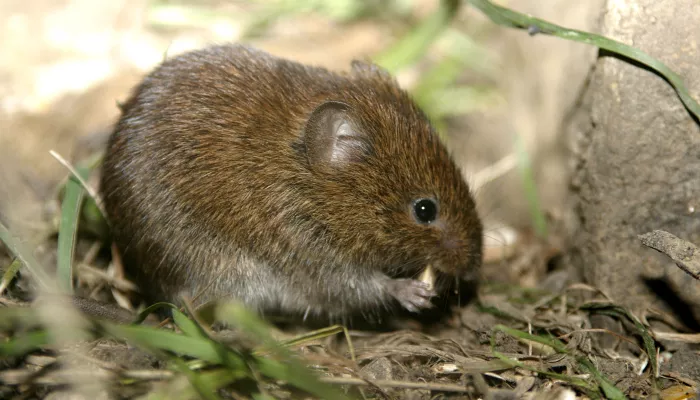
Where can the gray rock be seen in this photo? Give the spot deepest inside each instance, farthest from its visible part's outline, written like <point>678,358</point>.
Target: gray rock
<point>639,155</point>
<point>379,369</point>
<point>684,362</point>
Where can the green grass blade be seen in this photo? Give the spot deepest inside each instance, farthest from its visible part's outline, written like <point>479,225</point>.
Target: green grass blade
<point>158,339</point>
<point>25,256</point>
<point>20,345</point>
<point>539,221</point>
<point>459,100</point>
<point>9,275</point>
<point>188,326</point>
<point>92,220</point>
<point>221,377</point>
<point>616,311</point>
<point>205,388</point>
<point>260,396</point>
<point>338,10</point>
<point>320,334</point>
<point>289,369</point>
<point>313,335</point>
<point>298,375</point>
<point>416,42</point>
<point>68,228</point>
<point>572,380</point>
<point>151,309</point>
<point>610,390</point>
<point>503,16</point>
<point>14,318</point>
<point>438,77</point>
<point>555,344</point>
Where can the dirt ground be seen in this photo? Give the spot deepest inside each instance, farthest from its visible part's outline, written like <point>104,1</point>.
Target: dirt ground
<point>65,65</point>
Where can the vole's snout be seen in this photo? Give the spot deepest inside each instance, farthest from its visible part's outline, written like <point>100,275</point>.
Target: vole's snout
<point>451,242</point>
<point>458,256</point>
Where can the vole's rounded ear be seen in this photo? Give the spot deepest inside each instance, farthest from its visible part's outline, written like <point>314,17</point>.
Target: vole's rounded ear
<point>331,138</point>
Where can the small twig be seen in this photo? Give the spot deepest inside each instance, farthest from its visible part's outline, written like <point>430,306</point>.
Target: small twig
<point>678,377</point>
<point>495,170</point>
<point>583,286</point>
<point>438,387</point>
<point>147,374</point>
<point>606,331</point>
<point>116,282</point>
<point>119,273</point>
<point>678,337</point>
<point>657,375</point>
<point>62,377</point>
<point>685,254</point>
<point>92,253</point>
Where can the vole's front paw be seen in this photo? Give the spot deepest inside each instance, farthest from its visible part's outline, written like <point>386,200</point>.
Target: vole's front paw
<point>413,295</point>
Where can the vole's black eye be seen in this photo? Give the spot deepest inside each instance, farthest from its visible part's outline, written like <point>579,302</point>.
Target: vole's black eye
<point>425,210</point>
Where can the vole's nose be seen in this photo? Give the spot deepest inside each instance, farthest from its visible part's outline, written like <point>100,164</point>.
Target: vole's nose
<point>452,242</point>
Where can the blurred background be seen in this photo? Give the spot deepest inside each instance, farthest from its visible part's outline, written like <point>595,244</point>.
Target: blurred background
<point>499,97</point>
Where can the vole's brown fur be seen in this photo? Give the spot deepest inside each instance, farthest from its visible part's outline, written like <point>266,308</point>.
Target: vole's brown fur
<point>233,173</point>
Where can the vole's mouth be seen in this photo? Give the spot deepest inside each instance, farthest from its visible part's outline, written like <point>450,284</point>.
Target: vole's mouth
<point>428,276</point>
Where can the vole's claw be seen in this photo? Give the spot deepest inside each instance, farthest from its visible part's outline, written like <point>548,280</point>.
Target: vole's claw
<point>413,295</point>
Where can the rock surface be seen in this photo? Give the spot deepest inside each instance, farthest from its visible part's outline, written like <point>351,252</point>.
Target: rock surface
<point>639,159</point>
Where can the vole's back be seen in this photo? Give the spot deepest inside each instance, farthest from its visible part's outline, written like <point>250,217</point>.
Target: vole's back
<point>199,140</point>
